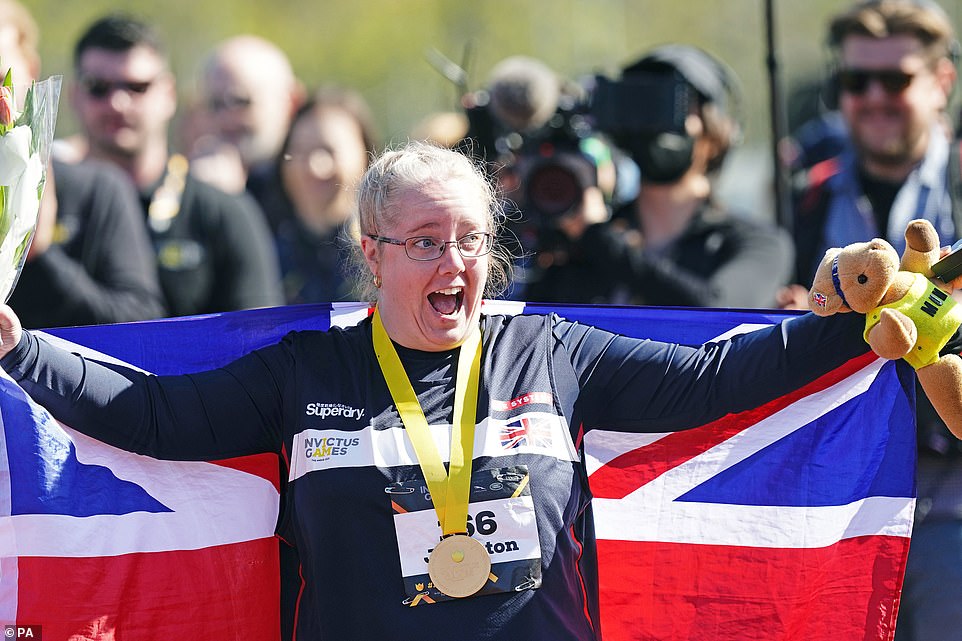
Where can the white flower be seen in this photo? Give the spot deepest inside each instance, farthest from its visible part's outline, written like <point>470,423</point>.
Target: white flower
<point>21,173</point>
<point>14,152</point>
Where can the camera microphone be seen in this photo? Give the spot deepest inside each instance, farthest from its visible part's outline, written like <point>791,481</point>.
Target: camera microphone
<point>523,93</point>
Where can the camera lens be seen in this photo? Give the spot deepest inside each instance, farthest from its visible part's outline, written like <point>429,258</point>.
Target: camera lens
<point>554,184</point>
<point>552,189</point>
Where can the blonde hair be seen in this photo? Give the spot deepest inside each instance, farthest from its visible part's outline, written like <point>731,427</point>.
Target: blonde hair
<point>413,165</point>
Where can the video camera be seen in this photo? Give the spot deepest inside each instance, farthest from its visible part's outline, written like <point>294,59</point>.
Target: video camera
<point>551,165</point>
<point>644,104</point>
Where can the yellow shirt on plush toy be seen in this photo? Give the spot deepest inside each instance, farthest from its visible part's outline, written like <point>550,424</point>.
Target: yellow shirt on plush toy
<point>934,313</point>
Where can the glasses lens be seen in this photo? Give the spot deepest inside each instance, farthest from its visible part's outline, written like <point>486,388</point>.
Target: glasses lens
<point>423,248</point>
<point>895,81</point>
<point>476,244</point>
<point>856,81</point>
<point>229,103</point>
<point>135,87</point>
<point>96,87</point>
<point>853,81</point>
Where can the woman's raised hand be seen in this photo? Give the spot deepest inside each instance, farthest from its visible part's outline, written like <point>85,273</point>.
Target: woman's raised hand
<point>10,330</point>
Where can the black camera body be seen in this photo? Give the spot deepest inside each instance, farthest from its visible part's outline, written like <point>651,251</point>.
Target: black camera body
<point>644,104</point>
<point>553,170</point>
<point>543,168</point>
<point>949,268</point>
<point>643,113</point>
<point>623,111</point>
<point>552,182</point>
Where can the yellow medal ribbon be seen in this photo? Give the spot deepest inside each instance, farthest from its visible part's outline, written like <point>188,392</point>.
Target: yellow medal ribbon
<point>451,490</point>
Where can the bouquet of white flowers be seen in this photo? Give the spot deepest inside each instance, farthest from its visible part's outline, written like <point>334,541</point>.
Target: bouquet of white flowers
<point>25,139</point>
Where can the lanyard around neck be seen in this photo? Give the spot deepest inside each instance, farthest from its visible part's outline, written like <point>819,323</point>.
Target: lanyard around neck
<point>165,203</point>
<point>450,491</point>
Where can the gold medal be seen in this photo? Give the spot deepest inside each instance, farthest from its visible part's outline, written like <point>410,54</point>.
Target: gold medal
<point>459,566</point>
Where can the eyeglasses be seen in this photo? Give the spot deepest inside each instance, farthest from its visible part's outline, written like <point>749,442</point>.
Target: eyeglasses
<point>101,88</point>
<point>856,81</point>
<point>426,248</point>
<point>229,103</point>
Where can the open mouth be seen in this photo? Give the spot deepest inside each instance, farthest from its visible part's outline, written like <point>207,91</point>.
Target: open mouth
<point>447,301</point>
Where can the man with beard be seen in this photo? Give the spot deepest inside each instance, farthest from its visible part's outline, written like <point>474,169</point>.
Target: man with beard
<point>213,249</point>
<point>894,75</point>
<point>247,97</point>
<point>90,259</point>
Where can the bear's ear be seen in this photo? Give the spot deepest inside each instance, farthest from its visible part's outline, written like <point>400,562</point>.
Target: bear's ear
<point>823,300</point>
<point>823,275</point>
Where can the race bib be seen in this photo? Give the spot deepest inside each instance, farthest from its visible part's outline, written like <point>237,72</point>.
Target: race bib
<point>500,516</point>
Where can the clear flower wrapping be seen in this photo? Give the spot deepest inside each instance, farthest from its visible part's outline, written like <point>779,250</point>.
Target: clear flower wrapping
<point>25,139</point>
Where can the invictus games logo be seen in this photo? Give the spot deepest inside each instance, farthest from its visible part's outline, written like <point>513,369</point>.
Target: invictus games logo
<point>321,448</point>
<point>326,410</point>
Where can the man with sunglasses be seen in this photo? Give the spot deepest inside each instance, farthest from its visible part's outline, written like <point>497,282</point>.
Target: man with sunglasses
<point>90,259</point>
<point>894,75</point>
<point>213,249</point>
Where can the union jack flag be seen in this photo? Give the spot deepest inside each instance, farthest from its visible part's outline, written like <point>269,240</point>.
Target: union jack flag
<point>789,521</point>
<point>527,431</point>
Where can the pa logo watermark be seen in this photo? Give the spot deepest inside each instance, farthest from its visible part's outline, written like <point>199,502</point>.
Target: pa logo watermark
<point>22,632</point>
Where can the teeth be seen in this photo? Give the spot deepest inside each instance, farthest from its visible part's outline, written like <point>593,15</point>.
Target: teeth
<point>450,291</point>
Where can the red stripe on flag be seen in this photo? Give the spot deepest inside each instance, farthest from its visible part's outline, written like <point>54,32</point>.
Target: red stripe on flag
<point>221,593</point>
<point>677,592</point>
<point>266,466</point>
<point>626,473</point>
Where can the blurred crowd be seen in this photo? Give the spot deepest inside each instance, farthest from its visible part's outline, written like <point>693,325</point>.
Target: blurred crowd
<point>609,184</point>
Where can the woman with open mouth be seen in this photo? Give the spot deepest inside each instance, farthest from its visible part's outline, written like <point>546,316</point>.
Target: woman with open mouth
<point>437,488</point>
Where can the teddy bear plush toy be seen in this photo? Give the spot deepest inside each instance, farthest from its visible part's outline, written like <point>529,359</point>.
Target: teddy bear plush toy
<point>907,315</point>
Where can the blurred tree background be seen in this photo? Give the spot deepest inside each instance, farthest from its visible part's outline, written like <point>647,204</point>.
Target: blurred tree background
<point>379,46</point>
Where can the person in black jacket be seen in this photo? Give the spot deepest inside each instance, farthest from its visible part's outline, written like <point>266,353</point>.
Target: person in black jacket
<point>674,244</point>
<point>90,260</point>
<point>307,194</point>
<point>895,71</point>
<point>213,249</point>
<point>96,264</point>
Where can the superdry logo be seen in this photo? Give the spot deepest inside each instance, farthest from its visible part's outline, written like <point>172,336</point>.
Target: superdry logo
<point>324,410</point>
<point>324,447</point>
<point>542,398</point>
